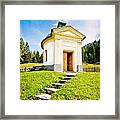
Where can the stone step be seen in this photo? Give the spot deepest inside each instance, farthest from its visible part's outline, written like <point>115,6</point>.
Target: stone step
<point>63,81</point>
<point>71,74</point>
<point>44,96</point>
<point>57,84</point>
<point>67,78</point>
<point>51,90</point>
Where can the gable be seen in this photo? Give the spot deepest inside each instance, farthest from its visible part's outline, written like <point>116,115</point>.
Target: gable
<point>66,32</point>
<point>69,31</point>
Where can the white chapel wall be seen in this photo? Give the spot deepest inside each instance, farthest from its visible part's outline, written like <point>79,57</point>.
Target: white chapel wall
<point>50,53</point>
<point>57,48</point>
<point>79,53</point>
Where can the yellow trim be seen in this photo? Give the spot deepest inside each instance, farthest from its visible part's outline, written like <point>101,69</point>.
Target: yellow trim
<point>48,40</point>
<point>58,33</point>
<point>68,36</point>
<point>76,32</point>
<point>55,35</point>
<point>68,50</point>
<point>69,28</point>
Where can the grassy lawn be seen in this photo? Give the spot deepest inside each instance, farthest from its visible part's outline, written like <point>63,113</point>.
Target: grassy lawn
<point>32,83</point>
<point>85,87</point>
<point>30,64</point>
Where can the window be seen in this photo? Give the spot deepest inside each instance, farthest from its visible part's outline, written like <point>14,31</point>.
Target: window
<point>45,55</point>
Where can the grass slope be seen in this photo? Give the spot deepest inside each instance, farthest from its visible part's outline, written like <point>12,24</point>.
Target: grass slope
<point>32,83</point>
<point>85,87</point>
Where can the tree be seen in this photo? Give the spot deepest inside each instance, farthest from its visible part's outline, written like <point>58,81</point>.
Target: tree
<point>27,53</point>
<point>37,57</point>
<point>41,58</point>
<point>91,52</point>
<point>22,50</point>
<point>97,49</point>
<point>94,52</point>
<point>33,57</point>
<point>27,56</point>
<point>84,54</point>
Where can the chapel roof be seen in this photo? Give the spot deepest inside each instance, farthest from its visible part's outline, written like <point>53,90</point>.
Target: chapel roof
<point>59,26</point>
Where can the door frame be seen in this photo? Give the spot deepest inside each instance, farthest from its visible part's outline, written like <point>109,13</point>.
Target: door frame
<point>68,51</point>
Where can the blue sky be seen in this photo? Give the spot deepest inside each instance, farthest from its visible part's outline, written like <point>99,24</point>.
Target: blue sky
<point>34,31</point>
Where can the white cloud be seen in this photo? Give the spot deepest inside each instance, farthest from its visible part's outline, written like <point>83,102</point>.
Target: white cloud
<point>90,28</point>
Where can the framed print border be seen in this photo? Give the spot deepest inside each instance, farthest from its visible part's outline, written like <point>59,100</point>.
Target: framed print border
<point>117,56</point>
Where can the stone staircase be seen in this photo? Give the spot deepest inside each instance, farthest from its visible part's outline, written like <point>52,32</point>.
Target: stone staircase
<point>55,86</point>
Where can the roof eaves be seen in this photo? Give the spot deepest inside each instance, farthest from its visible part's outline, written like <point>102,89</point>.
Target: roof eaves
<point>48,36</point>
<point>83,38</point>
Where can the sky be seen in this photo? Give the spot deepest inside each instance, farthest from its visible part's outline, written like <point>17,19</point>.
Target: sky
<point>34,31</point>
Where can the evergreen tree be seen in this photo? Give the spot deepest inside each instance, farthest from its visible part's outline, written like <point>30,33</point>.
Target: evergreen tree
<point>41,58</point>
<point>34,57</point>
<point>27,53</point>
<point>91,52</point>
<point>94,52</point>
<point>37,57</point>
<point>27,56</point>
<point>22,50</point>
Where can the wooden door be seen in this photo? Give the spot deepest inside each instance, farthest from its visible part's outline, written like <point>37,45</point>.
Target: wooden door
<point>64,61</point>
<point>70,62</point>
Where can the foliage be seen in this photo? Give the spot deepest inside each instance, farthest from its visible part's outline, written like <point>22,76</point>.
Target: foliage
<point>91,52</point>
<point>22,50</point>
<point>85,87</point>
<point>27,56</point>
<point>41,58</point>
<point>32,83</point>
<point>33,57</point>
<point>27,53</point>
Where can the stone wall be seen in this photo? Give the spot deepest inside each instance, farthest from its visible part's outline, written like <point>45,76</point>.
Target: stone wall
<point>49,67</point>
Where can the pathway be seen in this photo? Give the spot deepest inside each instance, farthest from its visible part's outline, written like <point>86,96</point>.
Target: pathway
<point>55,86</point>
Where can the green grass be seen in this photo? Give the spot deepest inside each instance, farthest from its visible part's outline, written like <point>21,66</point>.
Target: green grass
<point>32,83</point>
<point>85,87</point>
<point>30,64</point>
